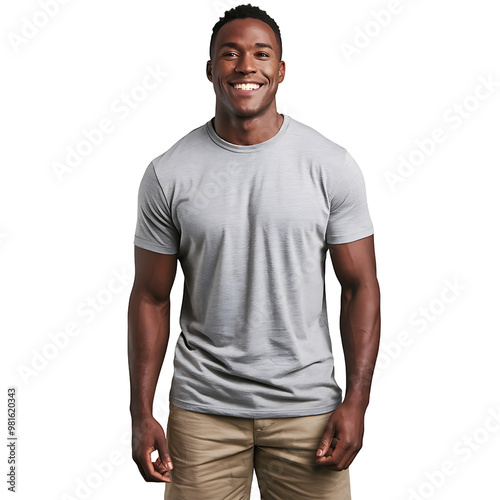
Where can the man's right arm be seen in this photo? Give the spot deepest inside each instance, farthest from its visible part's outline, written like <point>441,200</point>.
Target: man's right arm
<point>148,334</point>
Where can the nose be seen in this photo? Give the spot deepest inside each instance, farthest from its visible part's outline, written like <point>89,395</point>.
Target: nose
<point>245,64</point>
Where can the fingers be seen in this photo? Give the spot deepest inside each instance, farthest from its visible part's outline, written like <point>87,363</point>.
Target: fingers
<point>326,438</point>
<point>341,457</point>
<point>163,453</point>
<point>146,476</point>
<point>148,436</point>
<point>153,473</point>
<point>161,469</point>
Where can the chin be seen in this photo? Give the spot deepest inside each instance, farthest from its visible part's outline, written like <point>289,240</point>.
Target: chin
<point>249,111</point>
<point>246,113</point>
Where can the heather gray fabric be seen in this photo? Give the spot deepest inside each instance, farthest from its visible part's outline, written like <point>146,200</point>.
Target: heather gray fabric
<point>250,226</point>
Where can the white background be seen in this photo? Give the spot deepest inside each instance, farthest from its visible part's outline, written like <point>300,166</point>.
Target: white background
<point>64,237</point>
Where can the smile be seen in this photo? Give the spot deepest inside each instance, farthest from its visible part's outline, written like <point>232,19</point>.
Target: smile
<point>246,87</point>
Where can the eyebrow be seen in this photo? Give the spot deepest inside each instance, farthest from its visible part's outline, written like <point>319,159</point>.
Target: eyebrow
<point>236,46</point>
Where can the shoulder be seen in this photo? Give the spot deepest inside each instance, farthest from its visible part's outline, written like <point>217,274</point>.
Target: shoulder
<point>315,142</point>
<point>175,157</point>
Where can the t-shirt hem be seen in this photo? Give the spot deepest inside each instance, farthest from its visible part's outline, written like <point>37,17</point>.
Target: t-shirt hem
<point>247,413</point>
<point>154,247</point>
<point>348,238</point>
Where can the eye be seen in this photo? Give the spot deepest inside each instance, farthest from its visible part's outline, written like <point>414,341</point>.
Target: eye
<point>264,54</point>
<point>228,54</point>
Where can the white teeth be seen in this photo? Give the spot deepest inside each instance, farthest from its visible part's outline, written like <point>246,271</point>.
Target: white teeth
<point>246,86</point>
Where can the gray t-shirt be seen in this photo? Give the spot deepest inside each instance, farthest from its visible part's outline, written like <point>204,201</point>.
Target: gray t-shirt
<point>250,226</point>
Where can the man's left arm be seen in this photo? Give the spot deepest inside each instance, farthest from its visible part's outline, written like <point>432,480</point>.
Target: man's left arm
<point>355,267</point>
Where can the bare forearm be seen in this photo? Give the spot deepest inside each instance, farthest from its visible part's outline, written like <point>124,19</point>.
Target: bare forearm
<point>360,331</point>
<point>148,334</point>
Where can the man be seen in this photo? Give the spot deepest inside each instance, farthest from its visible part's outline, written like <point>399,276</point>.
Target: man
<point>250,203</point>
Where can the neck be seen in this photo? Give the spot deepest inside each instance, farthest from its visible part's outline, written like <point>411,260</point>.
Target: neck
<point>245,131</point>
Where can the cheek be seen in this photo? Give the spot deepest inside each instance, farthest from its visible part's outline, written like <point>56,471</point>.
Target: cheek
<point>220,84</point>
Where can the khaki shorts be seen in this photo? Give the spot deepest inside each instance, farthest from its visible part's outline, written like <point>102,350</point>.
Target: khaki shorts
<point>214,457</point>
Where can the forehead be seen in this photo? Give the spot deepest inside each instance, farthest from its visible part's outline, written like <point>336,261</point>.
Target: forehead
<point>246,31</point>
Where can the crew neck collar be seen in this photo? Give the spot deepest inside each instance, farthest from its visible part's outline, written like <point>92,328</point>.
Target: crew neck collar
<point>250,148</point>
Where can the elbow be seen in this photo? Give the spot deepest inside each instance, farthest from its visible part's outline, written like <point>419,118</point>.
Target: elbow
<point>368,288</point>
<point>144,298</point>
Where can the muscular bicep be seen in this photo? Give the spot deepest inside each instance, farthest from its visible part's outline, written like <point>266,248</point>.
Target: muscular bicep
<point>354,262</point>
<point>154,274</point>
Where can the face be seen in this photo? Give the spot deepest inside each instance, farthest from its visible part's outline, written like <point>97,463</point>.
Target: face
<point>246,52</point>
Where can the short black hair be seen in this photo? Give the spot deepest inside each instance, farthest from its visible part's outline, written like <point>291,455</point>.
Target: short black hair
<point>243,12</point>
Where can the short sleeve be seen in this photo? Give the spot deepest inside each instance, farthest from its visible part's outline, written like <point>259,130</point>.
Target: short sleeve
<point>349,218</point>
<point>155,229</point>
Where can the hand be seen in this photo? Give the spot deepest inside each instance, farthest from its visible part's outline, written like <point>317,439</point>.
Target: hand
<point>148,436</point>
<point>346,424</point>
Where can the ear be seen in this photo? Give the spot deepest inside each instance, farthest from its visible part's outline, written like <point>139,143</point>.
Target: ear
<point>209,70</point>
<point>281,74</point>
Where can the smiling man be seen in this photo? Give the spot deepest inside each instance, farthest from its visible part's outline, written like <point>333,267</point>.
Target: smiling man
<point>250,203</point>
